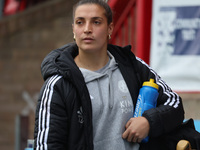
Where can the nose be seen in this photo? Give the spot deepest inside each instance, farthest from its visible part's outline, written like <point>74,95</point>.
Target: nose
<point>88,28</point>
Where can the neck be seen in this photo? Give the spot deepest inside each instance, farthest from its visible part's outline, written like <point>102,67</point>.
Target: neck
<point>91,61</point>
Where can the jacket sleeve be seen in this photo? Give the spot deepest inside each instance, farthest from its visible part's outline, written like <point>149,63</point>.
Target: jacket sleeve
<point>169,112</point>
<point>51,119</point>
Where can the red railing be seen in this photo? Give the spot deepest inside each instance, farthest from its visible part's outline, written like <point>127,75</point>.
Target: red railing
<point>124,20</point>
<point>132,19</point>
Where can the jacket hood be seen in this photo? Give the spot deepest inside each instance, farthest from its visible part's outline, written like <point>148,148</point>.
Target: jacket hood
<point>60,61</point>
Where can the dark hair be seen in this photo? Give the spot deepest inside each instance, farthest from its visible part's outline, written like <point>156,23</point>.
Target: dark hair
<point>102,3</point>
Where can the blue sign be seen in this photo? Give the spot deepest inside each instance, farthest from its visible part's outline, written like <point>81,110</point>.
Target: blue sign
<point>182,30</point>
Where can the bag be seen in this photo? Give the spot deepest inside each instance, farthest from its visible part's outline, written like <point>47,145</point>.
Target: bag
<point>186,131</point>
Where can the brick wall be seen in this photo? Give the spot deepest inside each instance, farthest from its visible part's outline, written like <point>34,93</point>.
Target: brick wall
<point>39,13</point>
<point>25,39</point>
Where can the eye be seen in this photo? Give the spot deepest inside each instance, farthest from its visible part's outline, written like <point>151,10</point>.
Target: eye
<point>97,22</point>
<point>79,22</point>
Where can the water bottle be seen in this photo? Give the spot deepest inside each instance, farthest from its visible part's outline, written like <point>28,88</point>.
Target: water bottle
<point>30,144</point>
<point>147,99</point>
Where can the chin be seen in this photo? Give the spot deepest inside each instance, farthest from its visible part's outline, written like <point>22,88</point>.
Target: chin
<point>88,48</point>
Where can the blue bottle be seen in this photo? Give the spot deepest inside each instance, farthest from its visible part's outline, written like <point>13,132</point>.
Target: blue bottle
<point>147,99</point>
<point>30,144</point>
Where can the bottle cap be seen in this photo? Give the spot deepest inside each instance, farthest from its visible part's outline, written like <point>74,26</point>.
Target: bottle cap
<point>150,83</point>
<point>30,143</point>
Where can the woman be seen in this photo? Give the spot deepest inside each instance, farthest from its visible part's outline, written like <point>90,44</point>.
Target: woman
<point>91,89</point>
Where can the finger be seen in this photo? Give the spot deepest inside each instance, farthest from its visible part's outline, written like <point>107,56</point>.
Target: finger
<point>128,124</point>
<point>125,134</point>
<point>131,136</point>
<point>134,139</point>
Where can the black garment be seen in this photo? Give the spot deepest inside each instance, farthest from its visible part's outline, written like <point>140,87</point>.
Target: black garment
<point>169,141</point>
<point>64,111</point>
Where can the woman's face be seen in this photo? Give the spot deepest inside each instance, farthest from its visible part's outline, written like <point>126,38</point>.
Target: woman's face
<point>90,28</point>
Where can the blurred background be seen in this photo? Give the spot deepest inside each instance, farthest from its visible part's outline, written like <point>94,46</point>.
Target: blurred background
<point>30,29</point>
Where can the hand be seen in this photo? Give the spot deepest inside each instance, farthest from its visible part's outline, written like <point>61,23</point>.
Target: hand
<point>136,129</point>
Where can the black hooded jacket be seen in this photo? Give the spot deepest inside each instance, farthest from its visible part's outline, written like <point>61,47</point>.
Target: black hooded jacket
<point>64,112</point>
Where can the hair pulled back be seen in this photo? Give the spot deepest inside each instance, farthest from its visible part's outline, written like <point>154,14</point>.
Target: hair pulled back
<point>102,3</point>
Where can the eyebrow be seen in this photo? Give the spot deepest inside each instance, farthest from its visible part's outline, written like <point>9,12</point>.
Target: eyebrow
<point>93,18</point>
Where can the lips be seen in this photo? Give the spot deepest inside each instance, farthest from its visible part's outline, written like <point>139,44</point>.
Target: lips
<point>88,39</point>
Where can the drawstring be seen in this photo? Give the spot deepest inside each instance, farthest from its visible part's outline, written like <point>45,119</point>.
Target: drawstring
<point>101,96</point>
<point>111,98</point>
<point>98,76</point>
<point>110,92</point>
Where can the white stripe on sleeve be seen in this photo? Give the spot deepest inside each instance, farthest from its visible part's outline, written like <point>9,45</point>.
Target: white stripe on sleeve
<point>173,99</point>
<point>44,113</point>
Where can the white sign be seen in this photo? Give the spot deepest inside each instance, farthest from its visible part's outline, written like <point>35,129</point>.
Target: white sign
<point>175,43</point>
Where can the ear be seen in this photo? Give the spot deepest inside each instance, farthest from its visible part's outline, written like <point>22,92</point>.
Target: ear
<point>110,28</point>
